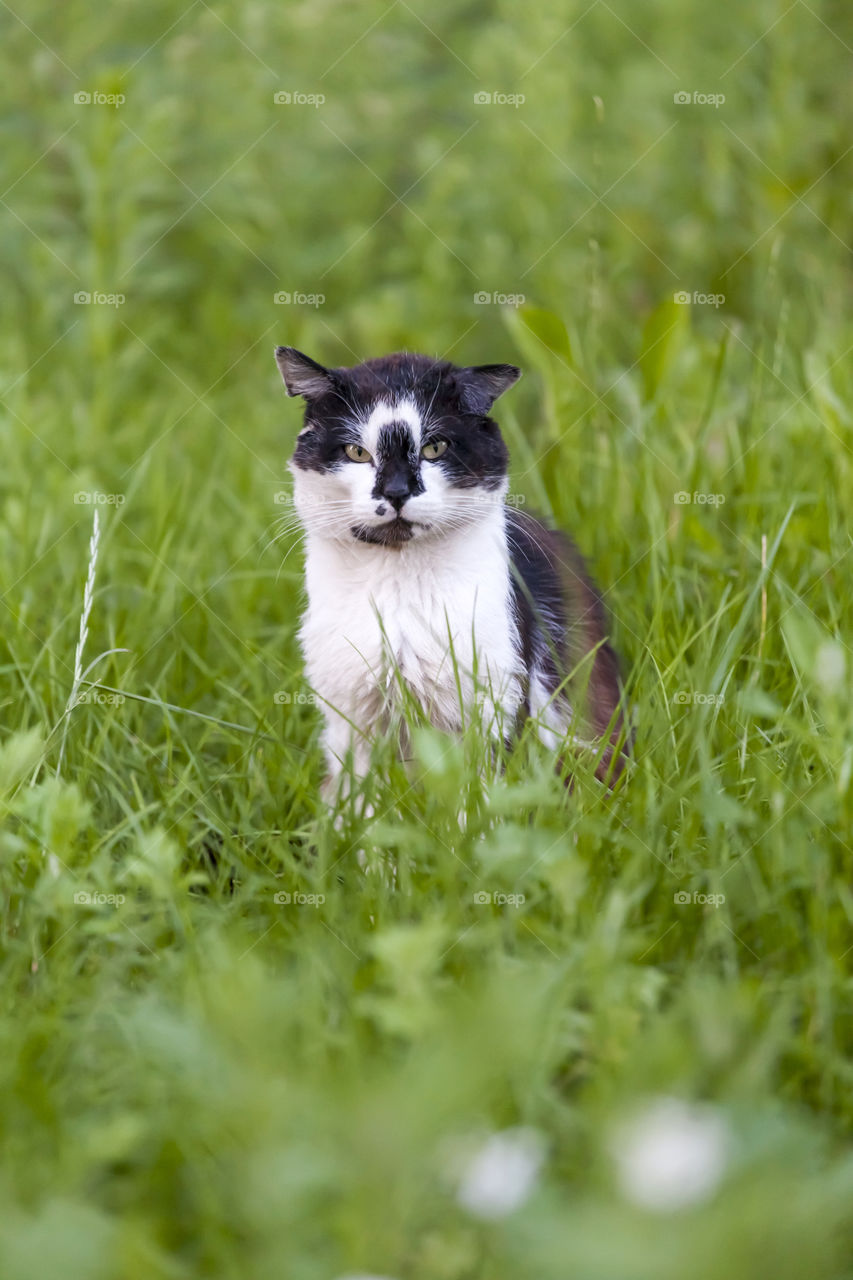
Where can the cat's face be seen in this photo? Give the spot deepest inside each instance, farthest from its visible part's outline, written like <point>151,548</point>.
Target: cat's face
<point>396,449</point>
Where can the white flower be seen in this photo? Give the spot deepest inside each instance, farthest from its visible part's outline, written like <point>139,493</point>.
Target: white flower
<point>830,666</point>
<point>500,1175</point>
<point>671,1155</point>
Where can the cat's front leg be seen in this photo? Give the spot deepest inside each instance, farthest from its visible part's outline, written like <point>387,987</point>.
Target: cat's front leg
<point>343,743</point>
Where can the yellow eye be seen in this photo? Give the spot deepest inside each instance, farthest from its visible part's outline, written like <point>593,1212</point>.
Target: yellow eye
<point>434,450</point>
<point>355,453</point>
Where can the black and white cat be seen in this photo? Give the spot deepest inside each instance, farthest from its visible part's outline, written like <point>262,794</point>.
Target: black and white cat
<point>420,576</point>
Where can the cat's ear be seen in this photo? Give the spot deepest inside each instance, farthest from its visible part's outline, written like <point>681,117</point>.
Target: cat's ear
<point>302,375</point>
<point>480,386</point>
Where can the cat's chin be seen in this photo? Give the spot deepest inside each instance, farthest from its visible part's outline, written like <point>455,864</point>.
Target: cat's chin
<point>394,534</point>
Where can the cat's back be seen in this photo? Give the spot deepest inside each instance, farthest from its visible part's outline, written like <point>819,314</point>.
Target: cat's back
<point>562,622</point>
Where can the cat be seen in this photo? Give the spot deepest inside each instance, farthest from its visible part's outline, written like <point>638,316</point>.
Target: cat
<point>419,575</point>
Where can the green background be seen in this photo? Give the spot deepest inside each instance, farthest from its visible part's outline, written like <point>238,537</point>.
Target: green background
<point>200,1081</point>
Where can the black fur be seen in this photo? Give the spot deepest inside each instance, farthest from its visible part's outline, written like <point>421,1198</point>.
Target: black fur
<point>558,611</point>
<point>398,474</point>
<point>453,402</point>
<point>561,619</point>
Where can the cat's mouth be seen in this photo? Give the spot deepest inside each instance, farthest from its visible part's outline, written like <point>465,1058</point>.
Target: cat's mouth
<point>392,534</point>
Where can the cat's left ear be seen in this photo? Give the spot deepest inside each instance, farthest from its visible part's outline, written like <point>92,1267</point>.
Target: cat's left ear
<point>302,375</point>
<point>480,385</point>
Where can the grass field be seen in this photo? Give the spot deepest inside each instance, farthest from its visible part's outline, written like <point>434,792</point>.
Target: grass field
<point>227,1049</point>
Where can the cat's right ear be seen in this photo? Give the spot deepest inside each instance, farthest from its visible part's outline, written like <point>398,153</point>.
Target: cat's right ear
<point>302,375</point>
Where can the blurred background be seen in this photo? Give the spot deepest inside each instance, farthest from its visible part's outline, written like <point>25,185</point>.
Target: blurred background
<point>648,207</point>
<point>545,189</point>
<point>388,186</point>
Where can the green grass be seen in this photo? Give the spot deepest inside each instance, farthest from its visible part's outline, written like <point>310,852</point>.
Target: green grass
<point>199,1080</point>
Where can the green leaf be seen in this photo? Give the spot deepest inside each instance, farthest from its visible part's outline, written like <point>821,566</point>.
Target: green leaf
<point>663,334</point>
<point>538,333</point>
<point>19,755</point>
<point>755,702</point>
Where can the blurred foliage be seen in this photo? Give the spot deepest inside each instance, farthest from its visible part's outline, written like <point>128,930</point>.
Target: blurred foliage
<point>200,1080</point>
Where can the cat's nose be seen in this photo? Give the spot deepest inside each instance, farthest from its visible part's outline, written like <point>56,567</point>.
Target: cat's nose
<point>396,492</point>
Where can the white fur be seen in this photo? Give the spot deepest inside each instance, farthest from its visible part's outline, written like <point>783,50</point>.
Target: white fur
<point>332,502</point>
<point>435,614</point>
<point>551,713</point>
<point>383,413</point>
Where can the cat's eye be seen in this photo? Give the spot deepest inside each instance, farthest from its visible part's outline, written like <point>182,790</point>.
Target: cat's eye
<point>434,450</point>
<point>355,453</point>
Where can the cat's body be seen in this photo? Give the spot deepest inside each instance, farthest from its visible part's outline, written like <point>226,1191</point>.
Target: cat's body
<point>421,581</point>
<point>379,620</point>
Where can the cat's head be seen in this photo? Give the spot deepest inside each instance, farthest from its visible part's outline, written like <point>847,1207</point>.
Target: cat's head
<point>397,449</point>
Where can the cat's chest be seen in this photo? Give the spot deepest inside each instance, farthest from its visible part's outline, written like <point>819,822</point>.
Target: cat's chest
<point>429,618</point>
